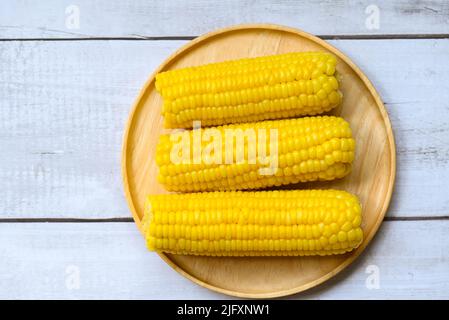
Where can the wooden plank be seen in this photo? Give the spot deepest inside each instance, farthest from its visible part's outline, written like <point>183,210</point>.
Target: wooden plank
<point>63,124</point>
<point>110,261</point>
<point>159,18</point>
<point>65,105</point>
<point>407,75</point>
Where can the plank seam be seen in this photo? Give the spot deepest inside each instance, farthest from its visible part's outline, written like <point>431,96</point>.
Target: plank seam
<point>416,218</point>
<point>129,219</point>
<point>168,38</point>
<point>66,220</point>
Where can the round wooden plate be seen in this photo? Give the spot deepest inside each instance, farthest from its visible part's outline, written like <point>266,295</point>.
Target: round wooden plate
<point>372,178</point>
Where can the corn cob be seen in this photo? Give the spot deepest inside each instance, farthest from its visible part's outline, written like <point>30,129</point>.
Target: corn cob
<point>304,149</point>
<point>271,223</point>
<point>249,90</point>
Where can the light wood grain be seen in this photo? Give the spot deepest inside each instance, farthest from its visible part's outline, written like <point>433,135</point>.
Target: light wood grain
<point>38,260</point>
<point>371,179</point>
<point>65,105</point>
<point>130,18</point>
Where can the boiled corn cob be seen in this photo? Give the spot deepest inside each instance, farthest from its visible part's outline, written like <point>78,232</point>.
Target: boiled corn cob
<point>264,223</point>
<point>304,149</point>
<point>248,90</point>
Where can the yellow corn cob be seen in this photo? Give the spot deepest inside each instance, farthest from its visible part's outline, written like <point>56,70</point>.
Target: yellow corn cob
<point>264,223</point>
<point>248,90</point>
<point>308,149</point>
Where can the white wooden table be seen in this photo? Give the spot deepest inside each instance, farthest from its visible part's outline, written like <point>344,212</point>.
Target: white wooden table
<point>69,73</point>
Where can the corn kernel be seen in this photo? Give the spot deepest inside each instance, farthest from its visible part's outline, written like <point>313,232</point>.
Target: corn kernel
<point>235,223</point>
<point>235,92</point>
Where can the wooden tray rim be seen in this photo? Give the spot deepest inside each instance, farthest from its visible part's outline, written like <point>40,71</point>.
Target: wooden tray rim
<point>388,129</point>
